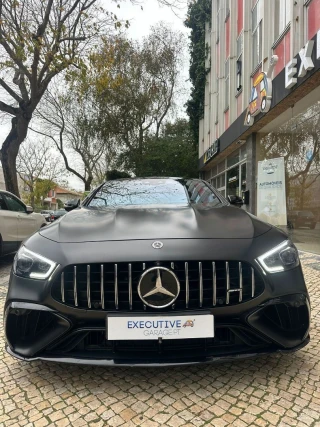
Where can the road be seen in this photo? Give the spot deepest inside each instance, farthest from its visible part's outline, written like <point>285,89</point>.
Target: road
<point>278,390</point>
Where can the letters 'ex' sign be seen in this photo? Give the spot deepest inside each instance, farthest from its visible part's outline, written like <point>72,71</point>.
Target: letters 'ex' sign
<point>305,54</point>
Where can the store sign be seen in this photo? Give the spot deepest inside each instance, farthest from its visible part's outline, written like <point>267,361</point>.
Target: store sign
<point>261,93</point>
<point>291,71</point>
<point>271,194</point>
<point>212,151</point>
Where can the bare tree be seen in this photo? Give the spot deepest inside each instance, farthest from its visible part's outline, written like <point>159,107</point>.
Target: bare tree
<point>38,40</point>
<point>38,168</point>
<point>67,120</point>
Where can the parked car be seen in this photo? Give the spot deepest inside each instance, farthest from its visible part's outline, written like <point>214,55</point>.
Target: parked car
<point>156,271</point>
<point>47,215</point>
<point>72,204</point>
<point>17,222</point>
<point>298,219</point>
<point>57,214</point>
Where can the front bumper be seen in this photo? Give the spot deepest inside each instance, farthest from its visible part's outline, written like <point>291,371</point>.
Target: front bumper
<point>36,332</point>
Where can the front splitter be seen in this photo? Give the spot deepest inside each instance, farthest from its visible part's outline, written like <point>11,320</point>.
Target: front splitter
<point>128,363</point>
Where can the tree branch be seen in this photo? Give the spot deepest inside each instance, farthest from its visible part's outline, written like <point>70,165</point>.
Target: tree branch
<point>8,109</point>
<point>72,39</point>
<point>10,91</point>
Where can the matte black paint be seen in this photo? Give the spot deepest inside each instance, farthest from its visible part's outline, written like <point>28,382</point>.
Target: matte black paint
<point>140,223</point>
<point>126,235</point>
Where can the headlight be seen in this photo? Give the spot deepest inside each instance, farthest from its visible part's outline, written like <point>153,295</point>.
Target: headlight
<point>31,265</point>
<point>282,257</point>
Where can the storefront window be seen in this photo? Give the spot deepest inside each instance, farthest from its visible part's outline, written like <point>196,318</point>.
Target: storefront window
<point>233,182</point>
<point>297,142</point>
<point>233,159</point>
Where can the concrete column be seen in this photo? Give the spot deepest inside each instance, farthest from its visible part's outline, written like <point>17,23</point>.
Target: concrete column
<point>252,172</point>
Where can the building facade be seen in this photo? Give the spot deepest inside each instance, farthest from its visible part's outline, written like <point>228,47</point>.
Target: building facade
<point>260,135</point>
<point>59,193</point>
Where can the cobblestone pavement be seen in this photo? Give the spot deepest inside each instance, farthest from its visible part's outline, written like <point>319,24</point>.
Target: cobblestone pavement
<point>278,390</point>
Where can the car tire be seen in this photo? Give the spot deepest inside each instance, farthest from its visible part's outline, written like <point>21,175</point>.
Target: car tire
<point>313,226</point>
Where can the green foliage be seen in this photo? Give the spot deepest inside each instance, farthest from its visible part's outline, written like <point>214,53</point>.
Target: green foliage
<point>199,13</point>
<point>38,191</point>
<point>60,204</point>
<point>133,85</point>
<point>171,154</point>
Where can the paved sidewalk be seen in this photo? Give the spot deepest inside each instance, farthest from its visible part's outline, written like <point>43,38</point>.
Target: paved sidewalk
<point>277,390</point>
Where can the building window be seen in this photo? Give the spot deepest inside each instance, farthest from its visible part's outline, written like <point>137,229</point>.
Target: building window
<point>239,62</point>
<point>256,35</point>
<point>282,15</point>
<point>226,74</point>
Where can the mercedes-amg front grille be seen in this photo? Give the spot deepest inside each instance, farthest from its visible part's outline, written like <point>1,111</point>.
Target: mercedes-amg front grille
<point>203,284</point>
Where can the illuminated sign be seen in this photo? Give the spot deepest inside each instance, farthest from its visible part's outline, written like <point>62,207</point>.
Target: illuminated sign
<point>261,93</point>
<point>212,151</point>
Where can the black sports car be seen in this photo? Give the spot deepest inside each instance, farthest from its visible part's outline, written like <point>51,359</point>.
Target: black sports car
<point>156,271</point>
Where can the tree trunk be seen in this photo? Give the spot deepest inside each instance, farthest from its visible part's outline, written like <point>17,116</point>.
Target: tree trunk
<point>9,152</point>
<point>87,183</point>
<point>32,201</point>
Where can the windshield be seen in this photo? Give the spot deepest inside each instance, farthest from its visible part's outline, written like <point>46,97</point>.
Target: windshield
<point>140,192</point>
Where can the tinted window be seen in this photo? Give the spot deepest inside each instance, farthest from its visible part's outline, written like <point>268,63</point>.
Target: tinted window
<point>200,193</point>
<point>140,192</point>
<point>14,204</point>
<point>2,203</point>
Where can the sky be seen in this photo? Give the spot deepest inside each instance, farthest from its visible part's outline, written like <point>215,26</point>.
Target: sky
<point>142,17</point>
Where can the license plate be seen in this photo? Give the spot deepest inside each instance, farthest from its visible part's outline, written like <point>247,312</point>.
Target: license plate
<point>158,326</point>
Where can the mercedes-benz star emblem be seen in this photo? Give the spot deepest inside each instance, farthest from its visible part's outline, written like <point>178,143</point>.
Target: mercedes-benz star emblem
<point>158,287</point>
<point>157,245</point>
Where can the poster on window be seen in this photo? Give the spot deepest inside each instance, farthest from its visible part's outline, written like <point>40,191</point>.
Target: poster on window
<point>271,194</point>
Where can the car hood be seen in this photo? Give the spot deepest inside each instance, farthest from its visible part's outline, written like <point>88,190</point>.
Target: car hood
<point>136,223</point>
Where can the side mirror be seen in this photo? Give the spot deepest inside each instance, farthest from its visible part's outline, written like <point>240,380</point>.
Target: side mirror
<point>72,204</point>
<point>235,200</point>
<point>29,209</point>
